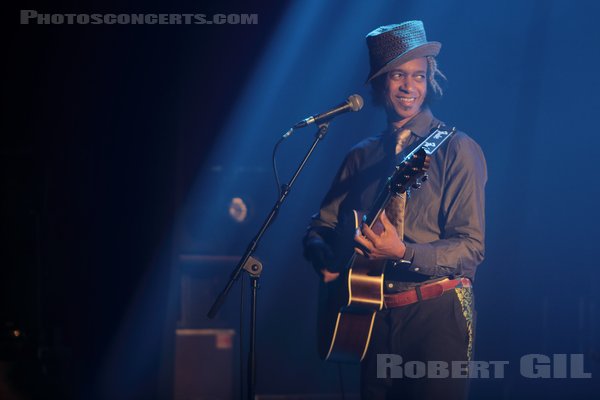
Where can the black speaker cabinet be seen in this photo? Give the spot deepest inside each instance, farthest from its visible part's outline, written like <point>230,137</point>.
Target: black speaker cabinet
<point>203,364</point>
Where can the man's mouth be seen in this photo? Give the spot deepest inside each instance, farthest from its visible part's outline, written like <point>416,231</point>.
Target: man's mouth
<point>406,101</point>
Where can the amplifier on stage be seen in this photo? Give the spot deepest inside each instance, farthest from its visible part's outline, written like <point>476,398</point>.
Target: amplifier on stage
<point>203,364</point>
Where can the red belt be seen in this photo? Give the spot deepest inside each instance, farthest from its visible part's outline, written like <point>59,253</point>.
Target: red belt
<point>424,292</point>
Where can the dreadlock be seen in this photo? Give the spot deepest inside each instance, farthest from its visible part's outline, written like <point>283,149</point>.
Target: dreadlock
<point>432,71</point>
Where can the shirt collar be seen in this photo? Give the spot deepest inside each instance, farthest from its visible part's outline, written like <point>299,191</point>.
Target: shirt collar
<point>421,123</point>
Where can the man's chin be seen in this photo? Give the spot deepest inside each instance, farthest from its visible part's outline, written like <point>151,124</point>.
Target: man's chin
<point>397,115</point>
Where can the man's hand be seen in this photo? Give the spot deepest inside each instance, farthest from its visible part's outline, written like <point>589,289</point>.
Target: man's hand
<point>386,245</point>
<point>321,256</point>
<point>329,276</point>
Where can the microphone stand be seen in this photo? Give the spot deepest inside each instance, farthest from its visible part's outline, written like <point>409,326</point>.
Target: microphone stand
<point>254,267</point>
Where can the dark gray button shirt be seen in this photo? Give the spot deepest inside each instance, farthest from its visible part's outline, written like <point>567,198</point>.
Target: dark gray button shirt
<point>444,225</point>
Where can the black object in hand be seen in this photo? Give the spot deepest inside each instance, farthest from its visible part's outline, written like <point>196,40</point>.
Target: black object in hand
<point>319,254</point>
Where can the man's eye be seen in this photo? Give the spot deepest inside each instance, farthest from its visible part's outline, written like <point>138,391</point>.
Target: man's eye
<point>420,77</point>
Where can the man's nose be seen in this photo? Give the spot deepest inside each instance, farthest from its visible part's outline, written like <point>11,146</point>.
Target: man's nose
<point>405,85</point>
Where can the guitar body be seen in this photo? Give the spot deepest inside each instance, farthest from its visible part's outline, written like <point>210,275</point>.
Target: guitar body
<point>347,308</point>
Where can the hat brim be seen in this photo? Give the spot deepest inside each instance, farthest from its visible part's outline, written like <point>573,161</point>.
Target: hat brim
<point>427,49</point>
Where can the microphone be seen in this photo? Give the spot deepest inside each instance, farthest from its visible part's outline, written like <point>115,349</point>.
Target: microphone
<point>354,103</point>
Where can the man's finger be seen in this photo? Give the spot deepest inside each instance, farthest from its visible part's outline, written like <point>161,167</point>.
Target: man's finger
<point>364,243</point>
<point>361,252</point>
<point>358,237</point>
<point>369,233</point>
<point>387,224</point>
<point>329,276</point>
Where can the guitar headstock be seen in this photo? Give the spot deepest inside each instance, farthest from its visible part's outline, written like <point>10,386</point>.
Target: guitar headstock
<point>410,173</point>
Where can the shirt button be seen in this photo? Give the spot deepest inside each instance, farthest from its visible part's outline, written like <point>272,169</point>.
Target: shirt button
<point>417,268</point>
<point>390,285</point>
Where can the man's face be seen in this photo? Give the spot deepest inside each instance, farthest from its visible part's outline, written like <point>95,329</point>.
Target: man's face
<point>406,88</point>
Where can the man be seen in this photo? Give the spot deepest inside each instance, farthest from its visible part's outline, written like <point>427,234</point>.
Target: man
<point>436,240</point>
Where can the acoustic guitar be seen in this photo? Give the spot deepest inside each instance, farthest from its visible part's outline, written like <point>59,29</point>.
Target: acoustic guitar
<point>348,305</point>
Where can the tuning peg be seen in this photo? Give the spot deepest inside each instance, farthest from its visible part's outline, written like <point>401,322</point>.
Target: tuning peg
<point>416,185</point>
<point>424,177</point>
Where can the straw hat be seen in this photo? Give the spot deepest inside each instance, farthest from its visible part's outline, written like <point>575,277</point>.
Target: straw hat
<point>393,45</point>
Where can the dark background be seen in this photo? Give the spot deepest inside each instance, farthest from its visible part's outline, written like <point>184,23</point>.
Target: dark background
<point>94,145</point>
<point>121,145</point>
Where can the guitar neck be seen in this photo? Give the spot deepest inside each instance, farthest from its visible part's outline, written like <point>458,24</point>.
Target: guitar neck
<point>429,145</point>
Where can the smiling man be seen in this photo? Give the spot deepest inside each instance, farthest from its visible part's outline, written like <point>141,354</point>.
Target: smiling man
<point>434,240</point>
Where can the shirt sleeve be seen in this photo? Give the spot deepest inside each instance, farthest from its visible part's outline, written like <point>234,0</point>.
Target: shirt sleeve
<point>323,223</point>
<point>460,248</point>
